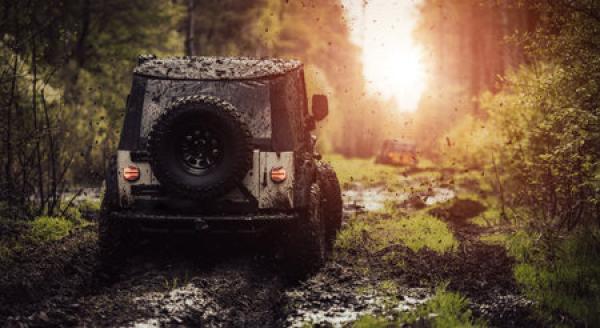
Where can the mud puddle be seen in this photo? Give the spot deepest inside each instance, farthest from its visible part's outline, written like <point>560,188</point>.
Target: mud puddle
<point>335,298</point>
<point>373,199</point>
<point>234,282</point>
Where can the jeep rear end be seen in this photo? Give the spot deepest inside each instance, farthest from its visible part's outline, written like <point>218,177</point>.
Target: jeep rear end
<point>273,105</point>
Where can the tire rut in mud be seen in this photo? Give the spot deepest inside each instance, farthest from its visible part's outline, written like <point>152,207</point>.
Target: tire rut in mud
<point>216,283</point>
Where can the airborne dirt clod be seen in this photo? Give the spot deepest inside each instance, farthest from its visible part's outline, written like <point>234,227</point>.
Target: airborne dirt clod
<point>236,281</point>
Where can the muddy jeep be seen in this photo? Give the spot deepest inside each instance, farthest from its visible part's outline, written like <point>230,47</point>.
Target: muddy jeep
<point>221,145</point>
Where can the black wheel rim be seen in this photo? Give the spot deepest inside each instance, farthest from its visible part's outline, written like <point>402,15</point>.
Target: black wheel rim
<point>200,150</point>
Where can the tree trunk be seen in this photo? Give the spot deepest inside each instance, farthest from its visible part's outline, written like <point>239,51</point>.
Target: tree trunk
<point>189,34</point>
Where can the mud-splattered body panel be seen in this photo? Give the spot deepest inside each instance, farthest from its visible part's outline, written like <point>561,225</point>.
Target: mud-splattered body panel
<point>258,181</point>
<point>251,98</point>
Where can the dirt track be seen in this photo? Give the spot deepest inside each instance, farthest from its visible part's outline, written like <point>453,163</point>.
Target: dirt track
<point>235,282</point>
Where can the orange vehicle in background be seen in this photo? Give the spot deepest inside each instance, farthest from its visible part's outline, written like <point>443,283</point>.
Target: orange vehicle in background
<point>397,152</point>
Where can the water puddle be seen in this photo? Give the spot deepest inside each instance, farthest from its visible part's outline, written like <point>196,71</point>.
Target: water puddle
<point>171,308</point>
<point>374,199</point>
<point>439,195</point>
<point>346,306</point>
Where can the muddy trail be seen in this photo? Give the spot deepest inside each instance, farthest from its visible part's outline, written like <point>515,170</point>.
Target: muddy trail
<point>235,281</point>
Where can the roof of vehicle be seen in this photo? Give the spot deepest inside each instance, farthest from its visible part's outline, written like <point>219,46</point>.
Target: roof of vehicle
<point>213,68</point>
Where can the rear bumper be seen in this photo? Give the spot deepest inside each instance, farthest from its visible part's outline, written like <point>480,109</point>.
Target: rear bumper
<point>208,223</point>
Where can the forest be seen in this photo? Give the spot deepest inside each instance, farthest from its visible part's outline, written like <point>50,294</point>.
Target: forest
<point>496,223</point>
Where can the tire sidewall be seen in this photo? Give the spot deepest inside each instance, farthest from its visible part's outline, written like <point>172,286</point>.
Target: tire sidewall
<point>207,113</point>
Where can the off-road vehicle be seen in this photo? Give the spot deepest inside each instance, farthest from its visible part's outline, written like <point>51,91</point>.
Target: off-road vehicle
<point>221,145</point>
<point>397,152</point>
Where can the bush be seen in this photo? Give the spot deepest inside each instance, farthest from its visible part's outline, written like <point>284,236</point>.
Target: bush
<point>46,228</point>
<point>565,277</point>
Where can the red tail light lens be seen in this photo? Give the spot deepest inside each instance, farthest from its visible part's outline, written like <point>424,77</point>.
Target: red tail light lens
<point>278,174</point>
<point>131,173</point>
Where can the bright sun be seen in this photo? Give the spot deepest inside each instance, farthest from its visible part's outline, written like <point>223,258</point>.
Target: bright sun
<point>392,60</point>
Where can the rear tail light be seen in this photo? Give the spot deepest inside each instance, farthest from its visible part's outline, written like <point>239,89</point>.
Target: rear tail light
<point>278,174</point>
<point>131,173</point>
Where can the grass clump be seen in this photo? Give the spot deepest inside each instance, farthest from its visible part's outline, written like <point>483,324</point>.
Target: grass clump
<point>47,228</point>
<point>489,218</point>
<point>361,170</point>
<point>495,238</point>
<point>564,277</point>
<point>17,235</point>
<point>88,206</point>
<point>372,322</point>
<point>444,310</point>
<point>416,231</point>
<point>353,236</point>
<point>374,232</point>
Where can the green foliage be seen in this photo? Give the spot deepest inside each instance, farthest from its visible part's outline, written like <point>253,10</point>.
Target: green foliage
<point>565,279</point>
<point>66,72</point>
<point>353,236</point>
<point>416,231</point>
<point>498,238</point>
<point>489,218</point>
<point>444,310</point>
<point>449,309</point>
<point>89,206</point>
<point>547,156</point>
<point>45,228</point>
<point>372,322</point>
<point>374,232</point>
<point>363,171</point>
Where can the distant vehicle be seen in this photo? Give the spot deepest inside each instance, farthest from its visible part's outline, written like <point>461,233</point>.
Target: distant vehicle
<point>214,144</point>
<point>397,152</point>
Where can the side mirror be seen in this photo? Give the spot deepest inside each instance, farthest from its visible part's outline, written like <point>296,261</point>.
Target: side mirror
<point>320,107</point>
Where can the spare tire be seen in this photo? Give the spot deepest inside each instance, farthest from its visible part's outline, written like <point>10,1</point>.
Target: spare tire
<point>200,148</point>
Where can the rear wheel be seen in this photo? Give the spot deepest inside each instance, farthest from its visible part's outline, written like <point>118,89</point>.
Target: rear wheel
<point>332,205</point>
<point>200,148</point>
<point>305,241</point>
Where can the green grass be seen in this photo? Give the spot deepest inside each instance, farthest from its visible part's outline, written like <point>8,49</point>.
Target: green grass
<point>416,231</point>
<point>20,234</point>
<point>474,180</point>
<point>360,170</point>
<point>495,238</point>
<point>564,278</point>
<point>489,218</point>
<point>353,236</point>
<point>46,228</point>
<point>444,310</point>
<point>450,309</point>
<point>372,322</point>
<point>374,232</point>
<point>87,206</point>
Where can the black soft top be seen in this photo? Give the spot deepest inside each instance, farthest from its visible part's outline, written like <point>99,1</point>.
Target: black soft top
<point>214,68</point>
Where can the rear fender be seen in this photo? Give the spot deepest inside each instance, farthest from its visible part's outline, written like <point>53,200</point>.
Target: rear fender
<point>146,177</point>
<point>276,195</point>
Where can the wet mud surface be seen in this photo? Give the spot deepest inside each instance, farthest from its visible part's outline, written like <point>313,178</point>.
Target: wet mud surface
<point>235,281</point>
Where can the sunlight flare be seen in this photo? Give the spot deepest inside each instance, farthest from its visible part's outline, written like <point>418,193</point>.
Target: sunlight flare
<point>392,60</point>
